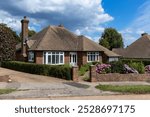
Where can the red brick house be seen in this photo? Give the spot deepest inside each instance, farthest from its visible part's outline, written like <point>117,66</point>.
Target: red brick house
<point>56,45</point>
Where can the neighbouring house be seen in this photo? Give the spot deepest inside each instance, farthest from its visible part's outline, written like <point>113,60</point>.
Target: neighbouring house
<point>140,49</point>
<point>56,45</point>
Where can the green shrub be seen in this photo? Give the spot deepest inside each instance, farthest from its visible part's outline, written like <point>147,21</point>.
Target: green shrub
<point>139,66</point>
<point>62,71</point>
<point>117,67</point>
<point>128,61</point>
<point>84,68</point>
<point>95,62</point>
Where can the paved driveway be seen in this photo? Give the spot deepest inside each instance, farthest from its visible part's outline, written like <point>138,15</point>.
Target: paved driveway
<point>31,86</point>
<point>36,86</point>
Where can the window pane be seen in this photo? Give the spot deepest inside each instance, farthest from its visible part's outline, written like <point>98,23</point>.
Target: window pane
<point>49,59</point>
<point>57,59</point>
<point>53,59</point>
<point>61,58</point>
<point>49,53</point>
<point>44,58</point>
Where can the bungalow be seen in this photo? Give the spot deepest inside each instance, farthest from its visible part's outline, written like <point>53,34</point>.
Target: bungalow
<point>56,45</point>
<point>140,49</point>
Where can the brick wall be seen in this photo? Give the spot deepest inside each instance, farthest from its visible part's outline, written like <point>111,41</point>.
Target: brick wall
<point>67,58</point>
<point>39,57</point>
<point>95,77</point>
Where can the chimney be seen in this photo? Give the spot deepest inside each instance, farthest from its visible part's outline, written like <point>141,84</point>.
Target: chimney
<point>24,36</point>
<point>60,25</point>
<point>143,34</point>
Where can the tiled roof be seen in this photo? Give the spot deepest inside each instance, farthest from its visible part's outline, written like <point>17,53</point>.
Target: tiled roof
<point>57,38</point>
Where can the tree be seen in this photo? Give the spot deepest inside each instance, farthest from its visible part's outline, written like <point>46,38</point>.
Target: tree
<point>30,33</point>
<point>111,39</point>
<point>7,43</point>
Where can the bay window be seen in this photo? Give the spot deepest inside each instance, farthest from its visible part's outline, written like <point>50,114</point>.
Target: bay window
<point>54,58</point>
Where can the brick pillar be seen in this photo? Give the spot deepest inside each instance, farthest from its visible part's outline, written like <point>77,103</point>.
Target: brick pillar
<point>75,73</point>
<point>93,73</point>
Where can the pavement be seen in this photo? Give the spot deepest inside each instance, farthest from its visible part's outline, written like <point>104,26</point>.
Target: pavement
<point>31,86</point>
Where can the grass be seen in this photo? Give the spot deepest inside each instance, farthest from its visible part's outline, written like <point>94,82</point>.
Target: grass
<point>6,91</point>
<point>134,89</point>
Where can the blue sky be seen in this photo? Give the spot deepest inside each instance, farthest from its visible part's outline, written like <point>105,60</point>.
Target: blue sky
<point>83,17</point>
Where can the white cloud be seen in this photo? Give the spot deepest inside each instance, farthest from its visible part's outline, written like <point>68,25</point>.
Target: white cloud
<point>140,25</point>
<point>11,21</point>
<point>81,16</point>
<point>78,32</point>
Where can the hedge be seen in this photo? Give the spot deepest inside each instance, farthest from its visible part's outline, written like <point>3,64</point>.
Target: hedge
<point>60,71</point>
<point>128,61</point>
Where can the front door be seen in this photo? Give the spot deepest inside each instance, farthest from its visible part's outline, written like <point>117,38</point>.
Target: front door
<point>73,58</point>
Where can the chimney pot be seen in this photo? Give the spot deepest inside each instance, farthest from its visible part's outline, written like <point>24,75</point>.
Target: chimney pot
<point>143,34</point>
<point>61,25</point>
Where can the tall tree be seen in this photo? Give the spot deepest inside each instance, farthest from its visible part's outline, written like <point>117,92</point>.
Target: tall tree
<point>111,39</point>
<point>7,43</point>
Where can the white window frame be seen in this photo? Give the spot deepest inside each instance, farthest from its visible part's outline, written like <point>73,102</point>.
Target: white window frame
<point>93,55</point>
<point>31,56</point>
<point>52,54</point>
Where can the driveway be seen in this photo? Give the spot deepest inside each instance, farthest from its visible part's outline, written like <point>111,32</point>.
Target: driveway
<point>31,86</point>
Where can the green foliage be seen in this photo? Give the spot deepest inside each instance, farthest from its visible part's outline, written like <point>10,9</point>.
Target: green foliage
<point>135,89</point>
<point>139,66</point>
<point>84,69</point>
<point>63,72</point>
<point>145,62</point>
<point>111,39</point>
<point>30,33</point>
<point>7,43</point>
<point>95,62</point>
<point>117,67</point>
<point>6,91</point>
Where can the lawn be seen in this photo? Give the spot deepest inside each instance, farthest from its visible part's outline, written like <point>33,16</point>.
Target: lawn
<point>6,91</point>
<point>134,89</point>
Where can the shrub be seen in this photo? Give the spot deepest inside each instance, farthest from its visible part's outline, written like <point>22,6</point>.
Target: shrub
<point>139,66</point>
<point>103,68</point>
<point>117,67</point>
<point>128,61</point>
<point>84,68</point>
<point>147,69</point>
<point>62,71</point>
<point>96,62</point>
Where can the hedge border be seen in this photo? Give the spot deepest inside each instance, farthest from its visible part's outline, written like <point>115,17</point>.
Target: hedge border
<point>59,71</point>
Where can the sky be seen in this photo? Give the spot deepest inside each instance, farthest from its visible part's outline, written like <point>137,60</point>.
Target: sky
<point>83,17</point>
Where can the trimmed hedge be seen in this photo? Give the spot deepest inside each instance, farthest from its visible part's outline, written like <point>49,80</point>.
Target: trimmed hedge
<point>62,71</point>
